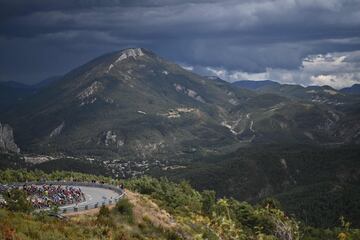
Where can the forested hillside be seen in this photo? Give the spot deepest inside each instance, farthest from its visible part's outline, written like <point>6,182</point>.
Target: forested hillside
<point>309,181</point>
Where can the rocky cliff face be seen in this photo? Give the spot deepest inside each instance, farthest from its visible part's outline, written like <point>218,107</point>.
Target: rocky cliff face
<point>7,143</point>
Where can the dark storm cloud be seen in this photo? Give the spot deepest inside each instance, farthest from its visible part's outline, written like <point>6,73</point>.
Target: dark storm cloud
<point>15,8</point>
<point>249,36</point>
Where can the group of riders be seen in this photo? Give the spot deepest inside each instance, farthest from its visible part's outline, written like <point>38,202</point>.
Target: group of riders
<point>50,195</point>
<point>47,195</point>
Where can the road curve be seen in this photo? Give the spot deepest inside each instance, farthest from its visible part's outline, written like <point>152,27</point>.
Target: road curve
<point>96,194</point>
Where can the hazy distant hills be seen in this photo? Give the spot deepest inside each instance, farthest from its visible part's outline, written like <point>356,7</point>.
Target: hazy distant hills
<point>133,104</point>
<point>12,93</point>
<point>314,93</point>
<point>46,82</point>
<point>354,89</point>
<point>256,85</point>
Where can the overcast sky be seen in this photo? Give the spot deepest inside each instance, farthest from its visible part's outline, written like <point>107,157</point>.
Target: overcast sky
<point>303,42</point>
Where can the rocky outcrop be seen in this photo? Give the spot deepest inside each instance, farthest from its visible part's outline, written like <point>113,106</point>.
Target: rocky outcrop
<point>111,139</point>
<point>57,130</point>
<point>148,149</point>
<point>7,143</point>
<point>94,88</point>
<point>189,92</point>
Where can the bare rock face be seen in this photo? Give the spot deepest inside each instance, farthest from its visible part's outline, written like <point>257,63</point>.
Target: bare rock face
<point>111,139</point>
<point>7,143</point>
<point>57,130</point>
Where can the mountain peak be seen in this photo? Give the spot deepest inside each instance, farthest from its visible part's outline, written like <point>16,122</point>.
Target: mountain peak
<point>130,52</point>
<point>127,53</point>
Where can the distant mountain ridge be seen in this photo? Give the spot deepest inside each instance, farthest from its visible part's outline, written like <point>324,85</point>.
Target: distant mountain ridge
<point>14,84</point>
<point>12,93</point>
<point>325,94</point>
<point>254,85</point>
<point>354,89</point>
<point>274,87</point>
<point>46,82</point>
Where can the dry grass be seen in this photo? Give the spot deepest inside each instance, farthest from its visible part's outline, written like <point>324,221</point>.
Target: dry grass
<point>145,210</point>
<point>90,212</point>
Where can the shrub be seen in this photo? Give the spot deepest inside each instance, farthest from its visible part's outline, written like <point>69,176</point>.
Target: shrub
<point>271,203</point>
<point>104,216</point>
<point>54,210</point>
<point>124,207</point>
<point>209,235</point>
<point>104,212</point>
<point>179,198</point>
<point>171,235</point>
<point>144,185</point>
<point>244,213</point>
<point>208,200</point>
<point>16,200</point>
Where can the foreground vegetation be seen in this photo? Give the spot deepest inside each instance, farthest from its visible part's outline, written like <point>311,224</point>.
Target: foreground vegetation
<point>316,184</point>
<point>160,209</point>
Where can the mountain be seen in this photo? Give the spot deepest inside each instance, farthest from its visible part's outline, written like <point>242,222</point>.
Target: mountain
<point>354,89</point>
<point>132,105</point>
<point>127,104</point>
<point>343,108</point>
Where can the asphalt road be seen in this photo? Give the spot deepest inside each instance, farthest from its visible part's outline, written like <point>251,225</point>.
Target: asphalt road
<point>94,195</point>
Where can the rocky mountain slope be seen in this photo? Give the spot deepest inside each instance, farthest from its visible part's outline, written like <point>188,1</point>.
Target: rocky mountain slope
<point>320,113</point>
<point>130,103</point>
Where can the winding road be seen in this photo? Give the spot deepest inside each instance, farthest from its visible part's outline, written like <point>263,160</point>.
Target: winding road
<point>96,194</point>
